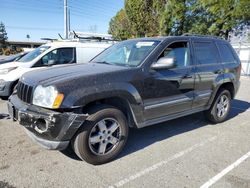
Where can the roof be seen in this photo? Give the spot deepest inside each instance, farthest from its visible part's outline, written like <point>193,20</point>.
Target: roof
<point>162,38</point>
<point>88,44</point>
<point>25,42</point>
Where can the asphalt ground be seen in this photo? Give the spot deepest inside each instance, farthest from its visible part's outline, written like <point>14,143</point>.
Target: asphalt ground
<point>187,152</point>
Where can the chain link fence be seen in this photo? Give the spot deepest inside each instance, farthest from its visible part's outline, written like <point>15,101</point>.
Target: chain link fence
<point>243,50</point>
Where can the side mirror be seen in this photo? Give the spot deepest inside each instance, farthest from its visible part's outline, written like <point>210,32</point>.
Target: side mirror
<point>164,63</point>
<point>51,62</point>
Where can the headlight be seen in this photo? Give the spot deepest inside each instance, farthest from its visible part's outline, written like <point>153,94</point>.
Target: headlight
<point>7,70</point>
<point>47,97</point>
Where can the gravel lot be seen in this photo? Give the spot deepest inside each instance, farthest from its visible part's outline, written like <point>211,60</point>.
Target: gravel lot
<point>186,152</point>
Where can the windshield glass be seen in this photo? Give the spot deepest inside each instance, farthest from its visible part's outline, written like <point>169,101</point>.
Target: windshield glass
<point>33,54</point>
<point>128,53</point>
<point>11,58</point>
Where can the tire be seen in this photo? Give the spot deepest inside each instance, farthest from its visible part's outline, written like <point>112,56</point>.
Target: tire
<point>214,114</point>
<point>102,136</point>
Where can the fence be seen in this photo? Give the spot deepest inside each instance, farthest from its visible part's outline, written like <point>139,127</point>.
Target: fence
<point>243,50</point>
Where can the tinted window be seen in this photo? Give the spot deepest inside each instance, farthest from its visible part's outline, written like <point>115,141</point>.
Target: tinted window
<point>59,56</point>
<point>179,51</point>
<point>226,53</point>
<point>205,52</point>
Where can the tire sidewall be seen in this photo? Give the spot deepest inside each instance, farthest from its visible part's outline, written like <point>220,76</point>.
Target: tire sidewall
<point>214,108</point>
<point>81,142</point>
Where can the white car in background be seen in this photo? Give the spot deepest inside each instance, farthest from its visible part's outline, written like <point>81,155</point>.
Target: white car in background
<point>50,54</point>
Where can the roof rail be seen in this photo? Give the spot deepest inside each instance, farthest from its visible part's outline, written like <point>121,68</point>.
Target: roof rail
<point>198,35</point>
<point>93,38</point>
<point>49,39</point>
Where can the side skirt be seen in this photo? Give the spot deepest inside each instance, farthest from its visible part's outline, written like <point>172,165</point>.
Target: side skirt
<point>170,117</point>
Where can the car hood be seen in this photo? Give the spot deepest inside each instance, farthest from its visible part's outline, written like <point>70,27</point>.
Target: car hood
<point>14,64</point>
<point>2,61</point>
<point>8,65</point>
<point>57,74</point>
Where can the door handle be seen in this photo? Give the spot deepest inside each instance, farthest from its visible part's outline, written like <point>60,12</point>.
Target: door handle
<point>219,72</point>
<point>187,76</point>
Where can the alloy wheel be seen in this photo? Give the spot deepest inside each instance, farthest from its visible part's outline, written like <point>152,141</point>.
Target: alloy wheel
<point>104,136</point>
<point>222,106</point>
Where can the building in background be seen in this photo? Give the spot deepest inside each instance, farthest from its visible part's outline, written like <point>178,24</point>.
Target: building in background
<point>25,45</point>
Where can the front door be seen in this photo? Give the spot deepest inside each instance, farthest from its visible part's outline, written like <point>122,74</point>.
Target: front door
<point>169,91</point>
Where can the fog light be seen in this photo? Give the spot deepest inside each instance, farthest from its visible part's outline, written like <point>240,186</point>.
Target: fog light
<point>41,125</point>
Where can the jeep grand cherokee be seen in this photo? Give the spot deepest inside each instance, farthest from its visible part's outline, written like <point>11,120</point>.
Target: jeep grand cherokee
<point>134,83</point>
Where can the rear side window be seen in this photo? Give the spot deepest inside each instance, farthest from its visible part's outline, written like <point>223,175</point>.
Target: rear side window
<point>205,53</point>
<point>226,53</point>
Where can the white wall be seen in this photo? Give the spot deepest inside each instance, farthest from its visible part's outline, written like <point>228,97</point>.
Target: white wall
<point>243,51</point>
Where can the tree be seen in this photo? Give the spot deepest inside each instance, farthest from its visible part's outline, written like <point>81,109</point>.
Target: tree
<point>119,26</point>
<point>227,15</point>
<point>184,16</point>
<point>3,35</point>
<point>143,16</point>
<point>173,20</point>
<point>135,14</point>
<point>176,17</point>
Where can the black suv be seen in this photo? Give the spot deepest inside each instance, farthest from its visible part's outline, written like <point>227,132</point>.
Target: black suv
<point>134,83</point>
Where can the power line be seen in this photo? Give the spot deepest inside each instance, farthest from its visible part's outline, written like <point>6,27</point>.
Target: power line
<point>102,15</point>
<point>73,12</point>
<point>29,9</point>
<point>28,5</point>
<point>101,4</point>
<point>87,17</point>
<point>27,2</point>
<point>38,28</point>
<point>33,28</point>
<point>81,10</point>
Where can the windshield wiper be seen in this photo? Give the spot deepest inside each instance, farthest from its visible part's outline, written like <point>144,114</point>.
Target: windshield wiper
<point>103,62</point>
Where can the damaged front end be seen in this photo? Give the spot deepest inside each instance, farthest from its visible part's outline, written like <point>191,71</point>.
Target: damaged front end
<point>51,129</point>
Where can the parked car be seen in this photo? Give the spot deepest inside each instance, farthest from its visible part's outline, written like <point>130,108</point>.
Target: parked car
<point>51,54</point>
<point>133,84</point>
<point>12,58</point>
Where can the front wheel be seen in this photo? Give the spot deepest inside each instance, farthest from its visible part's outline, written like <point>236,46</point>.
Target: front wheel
<point>102,136</point>
<point>220,108</point>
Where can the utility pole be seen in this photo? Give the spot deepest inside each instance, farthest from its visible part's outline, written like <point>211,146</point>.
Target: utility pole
<point>69,20</point>
<point>66,22</point>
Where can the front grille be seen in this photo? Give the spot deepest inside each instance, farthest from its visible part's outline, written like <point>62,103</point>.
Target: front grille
<point>24,92</point>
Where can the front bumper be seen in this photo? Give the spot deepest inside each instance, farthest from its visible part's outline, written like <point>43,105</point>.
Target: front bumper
<point>51,129</point>
<point>48,144</point>
<point>5,88</point>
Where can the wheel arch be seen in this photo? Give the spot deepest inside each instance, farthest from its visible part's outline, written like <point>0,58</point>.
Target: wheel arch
<point>228,86</point>
<point>225,85</point>
<point>118,102</point>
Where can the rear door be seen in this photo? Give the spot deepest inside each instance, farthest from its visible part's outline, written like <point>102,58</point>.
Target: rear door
<point>208,69</point>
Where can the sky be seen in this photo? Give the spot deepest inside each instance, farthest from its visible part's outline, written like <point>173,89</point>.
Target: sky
<point>45,18</point>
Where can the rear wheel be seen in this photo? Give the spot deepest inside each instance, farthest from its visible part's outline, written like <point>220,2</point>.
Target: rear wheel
<point>102,136</point>
<point>220,108</point>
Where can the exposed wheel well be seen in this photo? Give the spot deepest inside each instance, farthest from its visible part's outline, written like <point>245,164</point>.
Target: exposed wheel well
<point>230,87</point>
<point>120,103</point>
